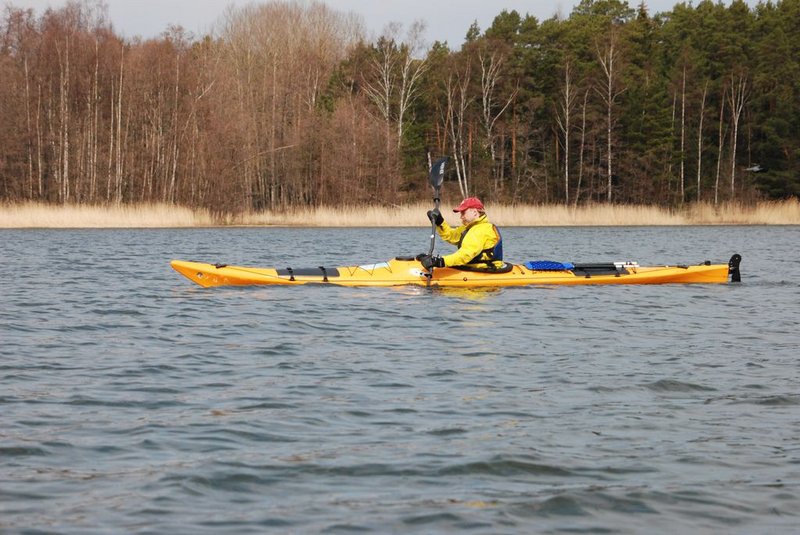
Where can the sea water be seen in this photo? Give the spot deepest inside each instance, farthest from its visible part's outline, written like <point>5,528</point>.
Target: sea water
<point>133,401</point>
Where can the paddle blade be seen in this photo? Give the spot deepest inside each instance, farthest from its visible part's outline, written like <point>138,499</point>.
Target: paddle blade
<point>437,173</point>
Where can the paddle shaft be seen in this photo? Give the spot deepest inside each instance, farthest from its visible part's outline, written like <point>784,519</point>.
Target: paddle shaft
<point>433,223</point>
<point>435,177</point>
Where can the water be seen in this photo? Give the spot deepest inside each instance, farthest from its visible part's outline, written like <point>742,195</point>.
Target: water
<point>133,401</point>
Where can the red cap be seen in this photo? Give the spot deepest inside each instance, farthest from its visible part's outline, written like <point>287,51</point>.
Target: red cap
<point>469,202</point>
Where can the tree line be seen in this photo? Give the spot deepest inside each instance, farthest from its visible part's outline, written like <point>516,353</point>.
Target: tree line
<point>287,104</point>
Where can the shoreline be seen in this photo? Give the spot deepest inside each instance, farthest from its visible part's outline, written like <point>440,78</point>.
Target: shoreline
<point>45,216</point>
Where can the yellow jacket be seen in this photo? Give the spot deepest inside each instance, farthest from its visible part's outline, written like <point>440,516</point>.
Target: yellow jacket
<point>475,242</point>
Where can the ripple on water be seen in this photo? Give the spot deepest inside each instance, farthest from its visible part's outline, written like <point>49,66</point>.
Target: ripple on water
<point>671,385</point>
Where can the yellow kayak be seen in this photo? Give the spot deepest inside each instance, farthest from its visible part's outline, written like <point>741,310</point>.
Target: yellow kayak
<point>408,271</point>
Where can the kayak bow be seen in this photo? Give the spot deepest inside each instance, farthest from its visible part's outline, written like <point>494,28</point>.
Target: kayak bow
<point>408,271</point>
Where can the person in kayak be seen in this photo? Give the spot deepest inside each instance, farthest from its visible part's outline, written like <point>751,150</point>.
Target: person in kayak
<point>480,246</point>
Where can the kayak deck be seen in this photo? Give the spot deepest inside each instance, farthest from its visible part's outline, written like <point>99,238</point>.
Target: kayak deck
<point>408,271</point>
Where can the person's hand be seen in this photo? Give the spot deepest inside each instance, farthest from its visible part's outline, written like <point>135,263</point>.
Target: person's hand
<point>429,261</point>
<point>435,216</point>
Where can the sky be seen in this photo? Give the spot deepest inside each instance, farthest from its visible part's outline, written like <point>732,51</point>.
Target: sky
<point>446,20</point>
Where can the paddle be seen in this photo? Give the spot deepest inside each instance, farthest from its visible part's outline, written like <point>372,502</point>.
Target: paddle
<point>436,177</point>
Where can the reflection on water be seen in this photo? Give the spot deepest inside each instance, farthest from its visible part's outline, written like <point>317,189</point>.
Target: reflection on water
<point>472,294</point>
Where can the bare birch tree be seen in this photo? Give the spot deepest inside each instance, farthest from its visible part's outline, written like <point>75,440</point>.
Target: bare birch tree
<point>700,138</point>
<point>458,102</point>
<point>379,87</point>
<point>491,64</point>
<point>411,71</point>
<point>683,137</point>
<point>720,144</point>
<point>62,172</point>
<point>582,148</point>
<point>564,120</point>
<point>395,73</point>
<point>738,98</point>
<point>608,57</point>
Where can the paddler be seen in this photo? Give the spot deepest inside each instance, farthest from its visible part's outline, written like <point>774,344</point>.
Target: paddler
<point>480,246</point>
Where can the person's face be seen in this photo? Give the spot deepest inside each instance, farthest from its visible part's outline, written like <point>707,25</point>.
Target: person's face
<point>469,215</point>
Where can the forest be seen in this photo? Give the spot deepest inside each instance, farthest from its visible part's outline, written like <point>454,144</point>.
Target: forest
<point>287,104</point>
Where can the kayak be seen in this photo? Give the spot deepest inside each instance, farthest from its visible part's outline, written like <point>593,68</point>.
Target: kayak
<point>408,271</point>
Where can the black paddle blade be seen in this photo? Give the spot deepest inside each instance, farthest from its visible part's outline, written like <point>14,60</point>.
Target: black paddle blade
<point>733,268</point>
<point>437,173</point>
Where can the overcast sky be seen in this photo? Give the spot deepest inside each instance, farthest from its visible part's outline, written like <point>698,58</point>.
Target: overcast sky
<point>447,20</point>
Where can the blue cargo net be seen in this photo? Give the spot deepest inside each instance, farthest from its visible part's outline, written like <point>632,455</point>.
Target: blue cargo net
<point>548,265</point>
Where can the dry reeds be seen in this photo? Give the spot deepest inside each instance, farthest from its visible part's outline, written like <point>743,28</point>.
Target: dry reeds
<point>37,215</point>
<point>503,215</point>
<point>764,213</point>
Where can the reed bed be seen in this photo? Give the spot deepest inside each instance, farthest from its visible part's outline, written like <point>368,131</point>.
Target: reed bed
<point>38,215</point>
<point>414,215</point>
<point>764,213</point>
